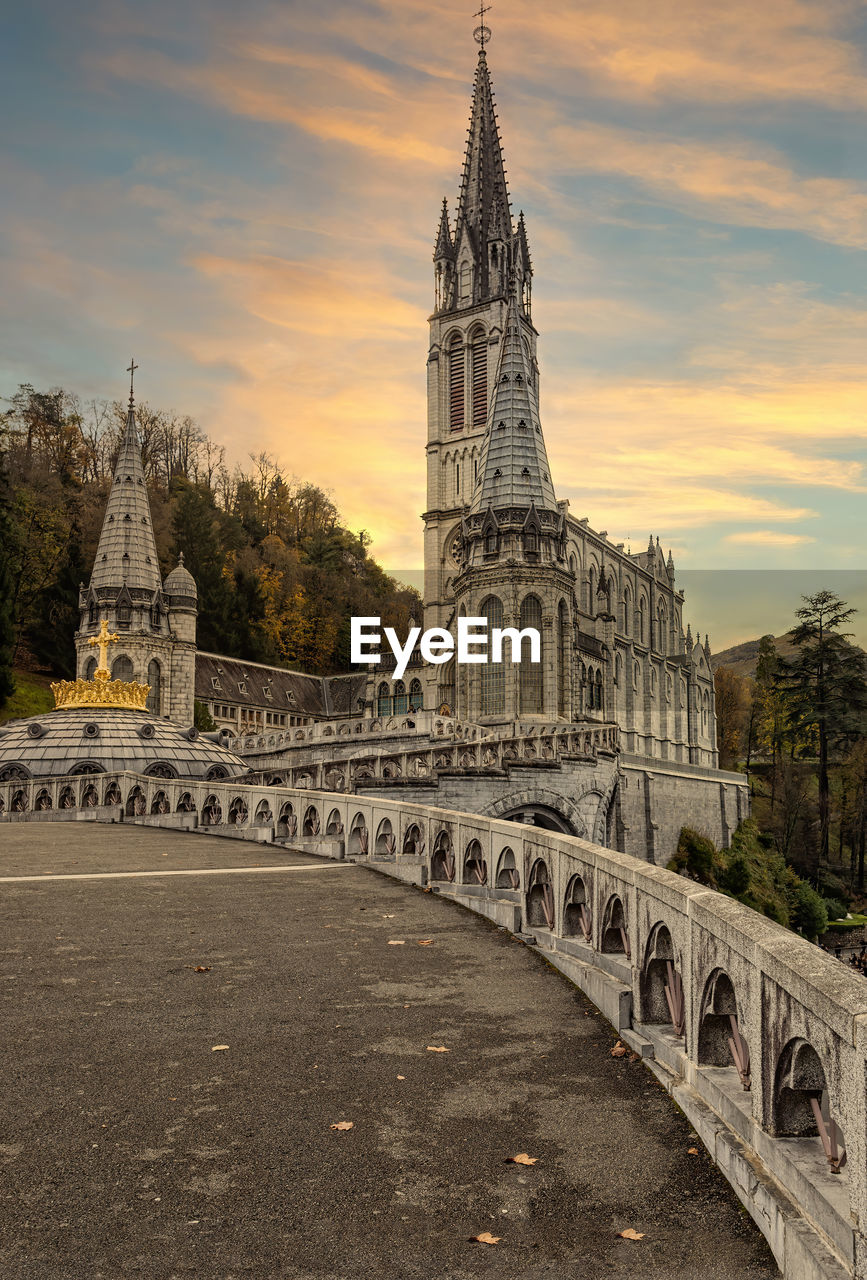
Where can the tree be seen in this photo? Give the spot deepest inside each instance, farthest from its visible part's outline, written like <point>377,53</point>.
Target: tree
<point>7,624</point>
<point>827,686</point>
<point>733,704</point>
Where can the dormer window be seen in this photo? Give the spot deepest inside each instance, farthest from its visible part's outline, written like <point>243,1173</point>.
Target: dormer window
<point>530,540</point>
<point>491,542</point>
<point>290,697</point>
<point>156,617</point>
<point>242,686</point>
<point>215,684</point>
<point>267,691</point>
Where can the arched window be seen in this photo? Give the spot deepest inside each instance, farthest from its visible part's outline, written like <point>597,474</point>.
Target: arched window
<point>416,697</point>
<point>562,660</point>
<point>591,592</point>
<point>92,612</point>
<point>89,668</point>
<point>466,281</point>
<point>493,674</point>
<point>456,383</point>
<point>661,627</point>
<point>531,541</point>
<point>122,668</point>
<point>480,378</point>
<point>383,701</point>
<point>530,673</point>
<point>154,701</point>
<point>400,700</point>
<point>124,614</point>
<point>599,698</point>
<point>491,541</point>
<point>642,620</point>
<point>458,479</point>
<point>156,617</point>
<point>627,612</point>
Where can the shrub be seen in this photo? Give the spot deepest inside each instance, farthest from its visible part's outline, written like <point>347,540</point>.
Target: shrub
<point>809,916</point>
<point>735,878</point>
<point>695,854</point>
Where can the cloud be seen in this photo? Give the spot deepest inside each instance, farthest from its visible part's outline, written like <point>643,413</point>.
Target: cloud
<point>768,538</point>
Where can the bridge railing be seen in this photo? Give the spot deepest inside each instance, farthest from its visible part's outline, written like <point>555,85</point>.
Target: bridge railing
<point>759,1035</point>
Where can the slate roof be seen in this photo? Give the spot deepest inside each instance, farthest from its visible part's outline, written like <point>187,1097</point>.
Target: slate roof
<point>248,684</point>
<point>127,552</point>
<point>53,744</point>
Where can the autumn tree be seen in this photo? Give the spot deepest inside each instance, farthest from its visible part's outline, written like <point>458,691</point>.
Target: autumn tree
<point>733,705</point>
<point>7,624</point>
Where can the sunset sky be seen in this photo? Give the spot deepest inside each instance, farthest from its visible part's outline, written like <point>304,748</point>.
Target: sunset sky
<point>246,198</point>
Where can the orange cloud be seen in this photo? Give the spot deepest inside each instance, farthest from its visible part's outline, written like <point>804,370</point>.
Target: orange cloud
<point>768,538</point>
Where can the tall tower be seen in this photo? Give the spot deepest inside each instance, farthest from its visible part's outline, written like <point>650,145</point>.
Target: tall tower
<point>476,262</point>
<point>156,620</point>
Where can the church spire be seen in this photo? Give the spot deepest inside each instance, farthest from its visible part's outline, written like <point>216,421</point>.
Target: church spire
<point>513,468</point>
<point>127,553</point>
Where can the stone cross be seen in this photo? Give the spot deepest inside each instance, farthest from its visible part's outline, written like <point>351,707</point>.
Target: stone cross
<point>103,639</point>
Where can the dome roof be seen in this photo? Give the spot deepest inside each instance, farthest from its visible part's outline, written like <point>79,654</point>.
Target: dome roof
<point>180,582</point>
<point>107,740</point>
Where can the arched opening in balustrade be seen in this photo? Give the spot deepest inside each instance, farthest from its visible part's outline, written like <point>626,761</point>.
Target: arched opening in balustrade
<point>614,939</point>
<point>540,896</point>
<point>311,821</point>
<point>19,801</point>
<point>43,800</point>
<point>719,1037</point>
<point>507,871</point>
<point>212,812</point>
<point>186,803</point>
<point>263,816</point>
<point>385,843</point>
<point>136,803</point>
<point>287,821</point>
<point>160,803</point>
<point>475,866</point>
<point>413,840</point>
<point>89,797</point>
<point>334,825</point>
<point>577,916</point>
<point>66,799</point>
<point>660,989</point>
<point>801,1102</point>
<point>442,866</point>
<point>112,795</point>
<point>238,812</point>
<point>359,838</point>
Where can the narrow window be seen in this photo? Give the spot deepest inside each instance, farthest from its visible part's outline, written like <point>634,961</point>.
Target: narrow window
<point>480,380</point>
<point>456,383</point>
<point>530,673</point>
<point>493,674</point>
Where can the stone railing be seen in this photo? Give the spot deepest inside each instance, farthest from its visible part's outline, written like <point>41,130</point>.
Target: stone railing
<point>759,1036</point>
<point>416,723</point>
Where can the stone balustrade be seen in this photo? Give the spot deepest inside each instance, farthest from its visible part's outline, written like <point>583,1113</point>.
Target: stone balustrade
<point>759,1035</point>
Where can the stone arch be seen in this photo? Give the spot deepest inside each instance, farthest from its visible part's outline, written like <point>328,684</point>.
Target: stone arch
<point>540,896</point>
<point>263,816</point>
<point>554,812</point>
<point>19,801</point>
<point>719,1030</point>
<point>358,836</point>
<point>43,800</point>
<point>186,803</point>
<point>112,794</point>
<point>89,797</point>
<point>122,668</point>
<point>443,859</point>
<point>613,937</point>
<point>577,914</point>
<point>287,822</point>
<point>312,824</point>
<point>334,825</point>
<point>212,812</point>
<point>160,803</point>
<point>799,1080</point>
<point>660,990</point>
<point>475,866</point>
<point>385,843</point>
<point>66,799</point>
<point>413,840</point>
<point>508,876</point>
<point>238,812</point>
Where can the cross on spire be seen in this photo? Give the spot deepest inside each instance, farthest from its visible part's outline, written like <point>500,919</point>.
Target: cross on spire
<point>131,368</point>
<point>482,33</point>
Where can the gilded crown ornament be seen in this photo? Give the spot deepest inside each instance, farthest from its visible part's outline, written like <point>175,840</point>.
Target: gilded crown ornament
<point>101,691</point>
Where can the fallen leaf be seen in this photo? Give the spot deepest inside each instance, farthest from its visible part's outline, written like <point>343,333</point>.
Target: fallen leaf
<point>522,1158</point>
<point>619,1050</point>
<point>219,1046</point>
<point>426,942</point>
<point>391,917</point>
<point>629,1234</point>
<point>437,1048</point>
<point>693,1151</point>
<point>203,968</point>
<point>396,942</point>
<point>401,1077</point>
<point>342,1124</point>
<point>635,1057</point>
<point>485,1237</point>
<point>428,890</point>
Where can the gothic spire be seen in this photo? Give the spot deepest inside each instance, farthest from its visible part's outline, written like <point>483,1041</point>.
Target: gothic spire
<point>444,249</point>
<point>483,184</point>
<point>127,552</point>
<point>513,468</point>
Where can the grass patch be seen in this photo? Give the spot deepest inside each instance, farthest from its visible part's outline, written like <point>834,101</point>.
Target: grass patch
<point>32,697</point>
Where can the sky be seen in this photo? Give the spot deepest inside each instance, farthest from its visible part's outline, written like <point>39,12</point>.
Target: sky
<point>245,197</point>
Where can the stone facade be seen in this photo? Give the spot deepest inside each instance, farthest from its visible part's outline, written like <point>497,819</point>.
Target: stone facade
<point>155,621</point>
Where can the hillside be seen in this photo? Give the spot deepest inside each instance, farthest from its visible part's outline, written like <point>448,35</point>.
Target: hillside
<point>741,658</point>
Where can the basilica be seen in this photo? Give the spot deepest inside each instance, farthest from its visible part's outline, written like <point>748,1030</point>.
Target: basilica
<point>611,735</point>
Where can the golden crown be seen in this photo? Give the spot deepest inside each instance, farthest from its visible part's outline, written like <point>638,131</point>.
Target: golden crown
<point>101,691</point>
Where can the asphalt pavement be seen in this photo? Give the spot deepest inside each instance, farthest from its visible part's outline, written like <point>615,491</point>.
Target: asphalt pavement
<point>178,1048</point>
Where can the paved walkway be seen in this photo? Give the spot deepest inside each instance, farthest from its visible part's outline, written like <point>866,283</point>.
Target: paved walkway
<point>132,1147</point>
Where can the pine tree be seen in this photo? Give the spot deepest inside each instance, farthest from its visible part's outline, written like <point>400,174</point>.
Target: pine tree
<point>827,685</point>
<point>7,627</point>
